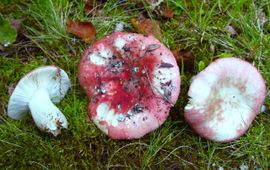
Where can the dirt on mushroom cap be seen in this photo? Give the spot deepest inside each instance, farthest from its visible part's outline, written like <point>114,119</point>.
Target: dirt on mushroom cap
<point>132,81</point>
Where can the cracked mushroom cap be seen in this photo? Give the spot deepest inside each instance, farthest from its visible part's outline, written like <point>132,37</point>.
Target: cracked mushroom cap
<point>51,78</point>
<point>132,81</point>
<point>224,99</point>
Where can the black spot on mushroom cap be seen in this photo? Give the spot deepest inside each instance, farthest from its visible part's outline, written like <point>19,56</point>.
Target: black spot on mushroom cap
<point>94,99</point>
<point>129,116</point>
<point>137,108</point>
<point>126,49</point>
<point>168,83</point>
<point>165,65</point>
<point>152,47</point>
<point>59,124</point>
<point>144,118</point>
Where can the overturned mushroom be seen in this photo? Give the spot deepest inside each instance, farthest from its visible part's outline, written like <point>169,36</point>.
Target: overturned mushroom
<point>132,81</point>
<point>36,92</point>
<point>224,99</point>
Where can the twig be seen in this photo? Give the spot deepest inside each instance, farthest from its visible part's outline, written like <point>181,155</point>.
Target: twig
<point>153,87</point>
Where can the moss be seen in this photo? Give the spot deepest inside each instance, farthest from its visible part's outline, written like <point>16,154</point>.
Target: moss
<point>197,26</point>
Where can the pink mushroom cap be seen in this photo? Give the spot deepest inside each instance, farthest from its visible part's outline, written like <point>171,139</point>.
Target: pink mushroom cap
<point>224,99</point>
<point>132,81</point>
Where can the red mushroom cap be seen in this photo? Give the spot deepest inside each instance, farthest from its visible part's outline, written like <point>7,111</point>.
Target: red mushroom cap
<point>132,81</point>
<point>224,99</point>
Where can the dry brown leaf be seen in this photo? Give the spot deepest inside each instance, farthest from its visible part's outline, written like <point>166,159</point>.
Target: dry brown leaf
<point>147,26</point>
<point>88,6</point>
<point>185,56</point>
<point>167,13</point>
<point>85,30</point>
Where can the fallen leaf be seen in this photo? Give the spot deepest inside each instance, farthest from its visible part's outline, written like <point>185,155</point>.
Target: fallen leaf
<point>167,13</point>
<point>186,57</point>
<point>146,26</point>
<point>88,7</point>
<point>85,30</point>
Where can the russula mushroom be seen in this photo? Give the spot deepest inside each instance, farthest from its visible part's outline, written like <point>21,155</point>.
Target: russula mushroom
<point>37,91</point>
<point>132,81</point>
<point>224,99</point>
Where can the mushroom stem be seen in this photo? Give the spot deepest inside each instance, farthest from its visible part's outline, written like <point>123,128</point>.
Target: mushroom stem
<point>45,114</point>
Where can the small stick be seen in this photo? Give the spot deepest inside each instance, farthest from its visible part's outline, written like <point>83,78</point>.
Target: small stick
<point>153,87</point>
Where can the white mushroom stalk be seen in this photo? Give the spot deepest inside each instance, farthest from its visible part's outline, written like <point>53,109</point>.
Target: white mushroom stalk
<point>46,115</point>
<point>37,92</point>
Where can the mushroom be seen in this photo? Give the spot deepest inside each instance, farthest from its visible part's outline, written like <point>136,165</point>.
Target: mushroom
<point>132,81</point>
<point>36,92</point>
<point>224,99</point>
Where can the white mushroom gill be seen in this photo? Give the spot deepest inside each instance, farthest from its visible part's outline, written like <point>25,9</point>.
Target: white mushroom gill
<point>46,115</point>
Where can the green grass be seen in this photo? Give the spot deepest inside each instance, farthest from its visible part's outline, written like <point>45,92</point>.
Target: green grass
<point>198,27</point>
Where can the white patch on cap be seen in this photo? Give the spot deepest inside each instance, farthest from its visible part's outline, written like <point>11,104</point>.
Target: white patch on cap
<point>100,126</point>
<point>235,112</point>
<point>161,76</point>
<point>96,59</point>
<point>130,37</point>
<point>112,118</point>
<point>199,90</point>
<point>102,110</point>
<point>234,120</point>
<point>119,43</point>
<point>106,53</point>
<point>211,78</point>
<point>104,113</point>
<point>251,89</point>
<point>100,57</point>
